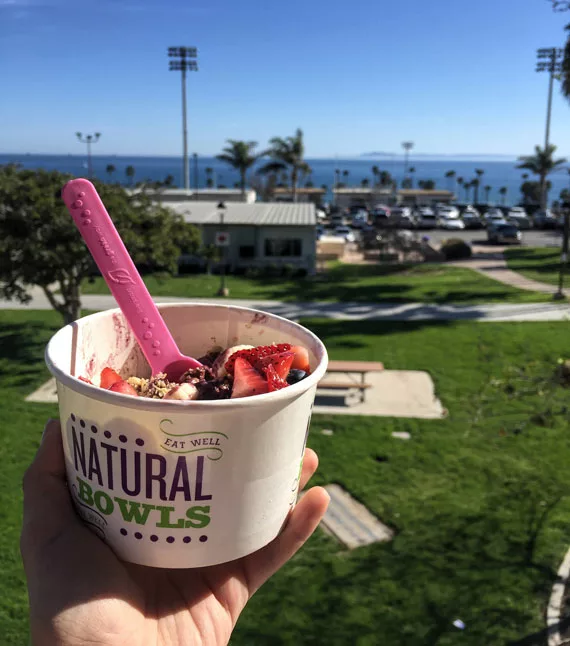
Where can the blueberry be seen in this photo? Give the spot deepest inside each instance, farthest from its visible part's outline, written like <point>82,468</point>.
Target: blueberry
<point>295,375</point>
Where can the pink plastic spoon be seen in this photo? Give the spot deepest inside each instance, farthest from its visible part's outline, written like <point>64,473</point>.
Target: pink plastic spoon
<point>124,280</point>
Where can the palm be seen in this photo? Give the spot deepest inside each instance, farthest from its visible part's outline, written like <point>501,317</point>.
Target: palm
<point>80,592</point>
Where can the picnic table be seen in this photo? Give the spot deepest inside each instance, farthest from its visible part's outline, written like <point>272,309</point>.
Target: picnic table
<point>350,368</point>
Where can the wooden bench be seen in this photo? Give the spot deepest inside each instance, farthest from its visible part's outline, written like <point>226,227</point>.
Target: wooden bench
<point>351,367</point>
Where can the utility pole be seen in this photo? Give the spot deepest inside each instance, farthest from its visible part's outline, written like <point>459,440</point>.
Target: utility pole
<point>549,59</point>
<point>184,60</point>
<point>88,139</point>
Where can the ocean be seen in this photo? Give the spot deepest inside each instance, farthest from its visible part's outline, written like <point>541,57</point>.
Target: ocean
<point>497,173</point>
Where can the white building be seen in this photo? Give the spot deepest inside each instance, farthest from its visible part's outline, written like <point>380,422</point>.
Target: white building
<point>168,195</point>
<point>260,234</point>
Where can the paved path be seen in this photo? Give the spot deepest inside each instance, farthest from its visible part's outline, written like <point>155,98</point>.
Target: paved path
<point>350,311</point>
<point>494,265</point>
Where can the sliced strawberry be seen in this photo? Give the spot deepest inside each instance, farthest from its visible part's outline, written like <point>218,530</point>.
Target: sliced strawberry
<point>123,387</point>
<point>247,381</point>
<point>301,360</point>
<point>281,363</point>
<point>274,381</point>
<point>109,377</point>
<point>87,381</point>
<point>255,354</point>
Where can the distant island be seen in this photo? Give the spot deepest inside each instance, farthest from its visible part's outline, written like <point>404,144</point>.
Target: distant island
<point>435,156</point>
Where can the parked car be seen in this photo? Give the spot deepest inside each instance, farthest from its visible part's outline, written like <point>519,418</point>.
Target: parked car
<point>471,210</point>
<point>544,220</point>
<point>447,211</point>
<point>337,220</point>
<point>472,220</point>
<point>518,216</point>
<point>502,232</point>
<point>359,219</point>
<point>344,232</point>
<point>321,215</point>
<point>452,224</point>
<point>402,217</point>
<point>425,218</point>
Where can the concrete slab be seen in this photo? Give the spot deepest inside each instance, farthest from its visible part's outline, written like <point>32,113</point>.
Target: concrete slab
<point>394,393</point>
<point>46,394</point>
<point>351,522</point>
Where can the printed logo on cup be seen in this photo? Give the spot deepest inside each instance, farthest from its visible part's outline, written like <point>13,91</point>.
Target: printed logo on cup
<point>115,474</point>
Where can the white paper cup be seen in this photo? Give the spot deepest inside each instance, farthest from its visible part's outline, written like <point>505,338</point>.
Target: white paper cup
<point>181,484</point>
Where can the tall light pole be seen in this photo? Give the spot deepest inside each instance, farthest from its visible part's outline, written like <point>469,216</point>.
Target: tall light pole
<point>549,60</point>
<point>183,59</point>
<point>407,146</point>
<point>222,242</point>
<point>88,139</point>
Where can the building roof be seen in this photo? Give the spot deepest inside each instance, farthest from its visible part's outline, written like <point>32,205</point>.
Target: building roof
<point>411,192</point>
<point>363,190</point>
<point>260,213</point>
<point>305,190</point>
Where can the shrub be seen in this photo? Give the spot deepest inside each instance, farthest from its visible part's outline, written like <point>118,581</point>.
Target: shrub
<point>456,249</point>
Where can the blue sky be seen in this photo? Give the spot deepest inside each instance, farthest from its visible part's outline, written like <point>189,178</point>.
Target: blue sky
<point>455,76</point>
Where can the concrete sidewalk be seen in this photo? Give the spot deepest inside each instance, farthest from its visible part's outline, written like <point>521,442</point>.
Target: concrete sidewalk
<point>347,311</point>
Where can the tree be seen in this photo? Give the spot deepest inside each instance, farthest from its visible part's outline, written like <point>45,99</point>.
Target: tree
<point>375,174</point>
<point>531,192</point>
<point>240,155</point>
<point>209,179</point>
<point>288,154</point>
<point>467,187</point>
<point>168,181</point>
<point>345,174</point>
<point>41,246</point>
<point>503,194</point>
<point>426,184</point>
<point>130,173</point>
<point>475,182</point>
<point>365,183</point>
<point>412,170</point>
<point>385,178</point>
<point>110,169</point>
<point>487,190</point>
<point>542,163</point>
<point>450,175</point>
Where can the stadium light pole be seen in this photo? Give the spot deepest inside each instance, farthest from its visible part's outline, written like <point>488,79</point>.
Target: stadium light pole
<point>549,60</point>
<point>88,139</point>
<point>407,146</point>
<point>183,59</point>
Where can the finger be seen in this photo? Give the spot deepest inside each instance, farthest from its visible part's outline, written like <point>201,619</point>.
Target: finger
<point>310,464</point>
<point>301,524</point>
<point>47,505</point>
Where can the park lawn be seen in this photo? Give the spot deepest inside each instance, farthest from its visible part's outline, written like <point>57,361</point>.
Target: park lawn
<point>428,283</point>
<point>479,500</point>
<point>538,263</point>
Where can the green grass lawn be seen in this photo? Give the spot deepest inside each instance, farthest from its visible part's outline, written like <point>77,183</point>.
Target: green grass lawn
<point>479,501</point>
<point>363,283</point>
<point>538,263</point>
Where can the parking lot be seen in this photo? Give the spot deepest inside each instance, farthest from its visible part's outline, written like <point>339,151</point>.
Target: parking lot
<point>530,238</point>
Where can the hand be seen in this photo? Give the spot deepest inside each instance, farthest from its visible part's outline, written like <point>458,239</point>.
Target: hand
<point>81,593</point>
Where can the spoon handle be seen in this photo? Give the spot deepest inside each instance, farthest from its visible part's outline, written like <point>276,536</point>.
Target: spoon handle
<point>120,273</point>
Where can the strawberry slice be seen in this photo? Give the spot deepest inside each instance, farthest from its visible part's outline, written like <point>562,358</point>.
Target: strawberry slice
<point>281,363</point>
<point>274,381</point>
<point>255,354</point>
<point>301,360</point>
<point>109,377</point>
<point>247,381</point>
<point>123,387</point>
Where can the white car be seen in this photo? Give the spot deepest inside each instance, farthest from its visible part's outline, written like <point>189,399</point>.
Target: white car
<point>447,212</point>
<point>518,216</point>
<point>452,224</point>
<point>471,211</point>
<point>494,214</point>
<point>321,215</point>
<point>425,219</point>
<point>344,232</point>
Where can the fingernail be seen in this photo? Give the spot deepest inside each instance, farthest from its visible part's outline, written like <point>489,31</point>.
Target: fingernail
<point>50,420</point>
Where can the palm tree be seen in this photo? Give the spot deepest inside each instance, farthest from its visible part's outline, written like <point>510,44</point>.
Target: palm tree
<point>426,184</point>
<point>345,174</point>
<point>130,173</point>
<point>467,187</point>
<point>337,177</point>
<point>460,181</point>
<point>542,163</point>
<point>375,173</point>
<point>525,176</point>
<point>241,156</point>
<point>412,170</point>
<point>479,172</point>
<point>365,183</point>
<point>385,178</point>
<point>503,194</point>
<point>487,190</point>
<point>110,169</point>
<point>450,175</point>
<point>475,182</point>
<point>209,180</point>
<point>288,153</point>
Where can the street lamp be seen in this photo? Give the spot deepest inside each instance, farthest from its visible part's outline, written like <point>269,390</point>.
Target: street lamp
<point>549,60</point>
<point>559,295</point>
<point>222,240</point>
<point>88,139</point>
<point>407,146</point>
<point>184,60</point>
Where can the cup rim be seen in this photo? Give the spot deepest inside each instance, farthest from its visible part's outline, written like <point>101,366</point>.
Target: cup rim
<point>95,392</point>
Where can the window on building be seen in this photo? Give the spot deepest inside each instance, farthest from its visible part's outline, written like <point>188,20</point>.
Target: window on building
<point>247,251</point>
<point>285,248</point>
